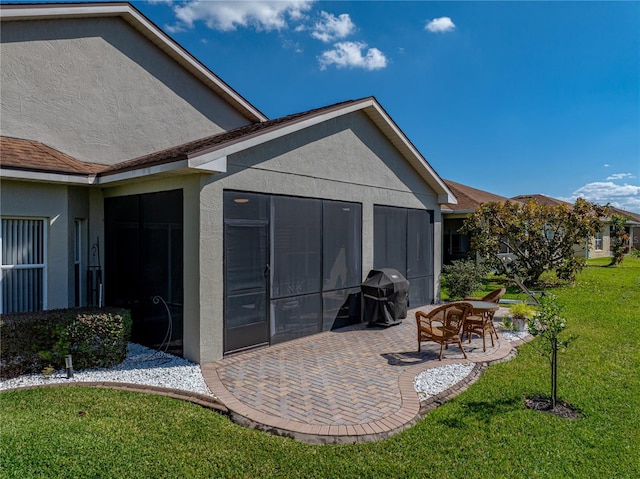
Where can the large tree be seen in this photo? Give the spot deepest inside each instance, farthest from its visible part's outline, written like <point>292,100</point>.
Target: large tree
<point>539,237</point>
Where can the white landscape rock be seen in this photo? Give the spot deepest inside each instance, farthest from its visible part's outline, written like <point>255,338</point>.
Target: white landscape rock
<point>142,366</point>
<point>435,380</point>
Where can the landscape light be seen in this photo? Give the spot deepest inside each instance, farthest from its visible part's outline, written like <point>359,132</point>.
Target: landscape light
<point>68,362</point>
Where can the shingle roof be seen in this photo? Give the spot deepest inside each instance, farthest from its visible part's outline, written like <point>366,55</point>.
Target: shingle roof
<point>547,200</point>
<point>470,198</point>
<point>634,217</point>
<point>542,199</point>
<point>16,153</point>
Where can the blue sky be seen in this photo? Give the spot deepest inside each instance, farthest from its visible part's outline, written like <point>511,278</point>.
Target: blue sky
<point>509,97</point>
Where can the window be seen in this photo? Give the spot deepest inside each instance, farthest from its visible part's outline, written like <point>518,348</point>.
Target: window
<point>598,241</point>
<point>23,264</point>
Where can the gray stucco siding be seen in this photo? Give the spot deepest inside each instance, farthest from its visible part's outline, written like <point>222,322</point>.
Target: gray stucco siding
<point>120,96</point>
<point>345,159</point>
<point>349,149</point>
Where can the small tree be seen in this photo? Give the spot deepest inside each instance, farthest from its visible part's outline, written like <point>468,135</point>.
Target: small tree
<point>538,237</point>
<point>619,238</point>
<point>462,277</point>
<point>548,324</point>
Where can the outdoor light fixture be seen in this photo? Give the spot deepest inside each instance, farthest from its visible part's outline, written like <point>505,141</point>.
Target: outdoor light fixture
<point>68,362</point>
<point>241,200</point>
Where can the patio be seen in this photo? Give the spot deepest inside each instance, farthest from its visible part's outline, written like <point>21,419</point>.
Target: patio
<point>355,384</point>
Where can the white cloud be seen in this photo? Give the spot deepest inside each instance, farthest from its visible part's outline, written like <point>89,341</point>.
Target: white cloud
<point>440,25</point>
<point>229,15</point>
<point>331,28</point>
<point>619,176</point>
<point>626,197</point>
<point>350,55</point>
<point>606,165</point>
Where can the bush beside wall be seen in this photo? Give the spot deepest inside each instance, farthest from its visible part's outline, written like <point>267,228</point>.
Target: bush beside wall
<point>31,342</point>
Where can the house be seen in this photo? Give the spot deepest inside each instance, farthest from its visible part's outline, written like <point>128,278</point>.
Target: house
<point>455,244</point>
<point>133,176</point>
<point>600,246</point>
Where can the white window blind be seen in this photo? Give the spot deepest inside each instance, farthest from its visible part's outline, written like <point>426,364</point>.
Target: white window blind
<point>23,262</point>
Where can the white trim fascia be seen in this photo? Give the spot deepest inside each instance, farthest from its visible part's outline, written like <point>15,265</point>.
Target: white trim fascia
<point>209,162</point>
<point>48,177</point>
<point>146,28</point>
<point>142,172</point>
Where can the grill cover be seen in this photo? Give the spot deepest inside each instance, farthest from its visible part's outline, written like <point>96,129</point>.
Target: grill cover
<point>386,297</point>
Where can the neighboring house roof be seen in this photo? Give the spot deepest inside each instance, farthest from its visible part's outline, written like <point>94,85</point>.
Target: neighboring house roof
<point>631,217</point>
<point>126,11</point>
<point>209,154</point>
<point>469,199</point>
<point>549,201</point>
<point>542,199</point>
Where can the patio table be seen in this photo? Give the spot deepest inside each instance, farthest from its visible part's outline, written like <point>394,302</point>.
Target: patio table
<point>481,307</point>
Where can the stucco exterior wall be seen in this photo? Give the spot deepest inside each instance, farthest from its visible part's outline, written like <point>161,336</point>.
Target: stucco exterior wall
<point>606,245</point>
<point>77,209</point>
<point>49,202</point>
<point>94,88</point>
<point>343,159</point>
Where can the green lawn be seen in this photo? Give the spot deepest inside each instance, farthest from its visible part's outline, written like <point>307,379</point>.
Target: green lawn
<point>485,432</point>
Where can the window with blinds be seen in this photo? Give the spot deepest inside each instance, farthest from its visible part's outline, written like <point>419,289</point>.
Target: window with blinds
<point>23,262</point>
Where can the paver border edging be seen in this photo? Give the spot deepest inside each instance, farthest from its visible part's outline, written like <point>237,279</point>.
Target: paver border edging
<point>203,400</point>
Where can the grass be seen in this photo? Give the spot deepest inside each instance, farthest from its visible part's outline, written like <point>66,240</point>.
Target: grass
<point>484,432</point>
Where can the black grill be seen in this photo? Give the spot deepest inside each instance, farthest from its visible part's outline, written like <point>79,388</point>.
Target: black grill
<point>386,297</point>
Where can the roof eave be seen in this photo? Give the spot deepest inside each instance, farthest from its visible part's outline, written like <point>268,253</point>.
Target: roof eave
<point>47,176</point>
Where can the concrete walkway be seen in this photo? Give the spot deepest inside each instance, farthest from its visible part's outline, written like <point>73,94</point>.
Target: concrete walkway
<point>346,386</point>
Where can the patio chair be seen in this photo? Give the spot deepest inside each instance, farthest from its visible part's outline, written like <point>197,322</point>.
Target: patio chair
<point>492,297</point>
<point>481,324</point>
<point>443,325</point>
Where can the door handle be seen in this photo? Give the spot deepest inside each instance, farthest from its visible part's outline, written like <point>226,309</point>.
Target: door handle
<point>267,271</point>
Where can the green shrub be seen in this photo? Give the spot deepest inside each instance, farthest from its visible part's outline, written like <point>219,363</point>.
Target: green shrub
<point>521,311</point>
<point>463,277</point>
<point>33,341</point>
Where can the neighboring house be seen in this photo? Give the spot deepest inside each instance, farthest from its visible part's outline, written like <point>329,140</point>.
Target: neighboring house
<point>129,170</point>
<point>455,244</point>
<point>600,245</point>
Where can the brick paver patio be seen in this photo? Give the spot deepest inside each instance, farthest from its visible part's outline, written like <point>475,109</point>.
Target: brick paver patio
<point>350,385</point>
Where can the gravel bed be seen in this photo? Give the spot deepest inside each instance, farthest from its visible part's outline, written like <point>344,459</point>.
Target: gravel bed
<point>141,366</point>
<point>514,335</point>
<point>433,381</point>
